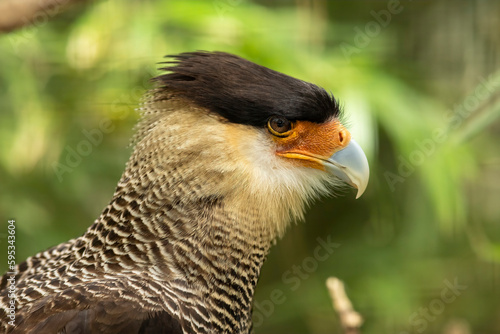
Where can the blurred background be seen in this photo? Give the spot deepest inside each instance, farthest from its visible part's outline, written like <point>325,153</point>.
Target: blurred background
<point>419,81</point>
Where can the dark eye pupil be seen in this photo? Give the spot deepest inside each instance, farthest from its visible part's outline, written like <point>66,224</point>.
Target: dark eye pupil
<point>280,124</point>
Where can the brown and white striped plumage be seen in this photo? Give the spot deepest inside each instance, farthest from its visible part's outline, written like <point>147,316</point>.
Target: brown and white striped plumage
<point>180,246</point>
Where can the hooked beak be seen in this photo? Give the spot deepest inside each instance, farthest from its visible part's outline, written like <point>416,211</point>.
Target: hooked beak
<point>351,166</point>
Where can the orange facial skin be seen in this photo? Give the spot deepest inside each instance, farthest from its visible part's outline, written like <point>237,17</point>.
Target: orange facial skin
<point>310,144</point>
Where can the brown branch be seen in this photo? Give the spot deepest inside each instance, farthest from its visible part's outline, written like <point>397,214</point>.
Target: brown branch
<point>350,320</point>
<point>15,14</point>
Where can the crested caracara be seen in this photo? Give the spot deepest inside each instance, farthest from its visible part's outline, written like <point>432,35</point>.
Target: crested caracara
<point>227,154</point>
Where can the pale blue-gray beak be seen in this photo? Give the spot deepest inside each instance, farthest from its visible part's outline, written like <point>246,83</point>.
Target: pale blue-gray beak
<point>351,166</point>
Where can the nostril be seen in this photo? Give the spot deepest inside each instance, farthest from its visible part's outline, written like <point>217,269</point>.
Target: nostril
<point>341,137</point>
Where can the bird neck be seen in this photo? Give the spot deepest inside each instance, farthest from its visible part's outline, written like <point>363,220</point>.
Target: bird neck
<point>192,241</point>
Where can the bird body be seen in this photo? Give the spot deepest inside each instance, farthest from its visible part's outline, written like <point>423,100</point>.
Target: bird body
<point>217,173</point>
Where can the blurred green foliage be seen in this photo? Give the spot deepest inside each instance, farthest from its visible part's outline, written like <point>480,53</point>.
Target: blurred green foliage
<point>420,86</point>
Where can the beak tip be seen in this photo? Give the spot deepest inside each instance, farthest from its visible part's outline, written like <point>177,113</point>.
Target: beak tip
<point>362,182</point>
<point>361,191</point>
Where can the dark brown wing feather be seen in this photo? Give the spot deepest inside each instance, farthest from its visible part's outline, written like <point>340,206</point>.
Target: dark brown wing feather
<point>108,316</point>
<point>101,306</point>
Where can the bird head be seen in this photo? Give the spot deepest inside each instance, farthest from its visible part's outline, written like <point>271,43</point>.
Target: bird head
<point>260,142</point>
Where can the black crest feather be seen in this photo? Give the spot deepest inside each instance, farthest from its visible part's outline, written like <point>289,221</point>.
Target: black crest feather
<point>244,92</point>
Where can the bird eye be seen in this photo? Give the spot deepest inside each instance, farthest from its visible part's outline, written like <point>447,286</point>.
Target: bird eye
<point>279,126</point>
